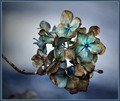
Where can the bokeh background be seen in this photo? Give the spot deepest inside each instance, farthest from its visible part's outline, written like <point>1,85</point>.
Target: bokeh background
<point>20,21</point>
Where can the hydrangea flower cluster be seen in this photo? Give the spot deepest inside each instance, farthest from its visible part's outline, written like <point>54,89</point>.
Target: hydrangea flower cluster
<point>82,53</point>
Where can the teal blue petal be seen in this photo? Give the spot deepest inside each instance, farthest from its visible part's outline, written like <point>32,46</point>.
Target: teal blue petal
<point>91,38</point>
<point>94,48</point>
<point>69,33</point>
<point>60,78</point>
<point>79,48</point>
<point>81,38</point>
<point>86,55</point>
<point>49,40</point>
<point>63,32</point>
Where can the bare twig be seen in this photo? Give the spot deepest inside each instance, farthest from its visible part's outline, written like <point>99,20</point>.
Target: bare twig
<point>16,68</point>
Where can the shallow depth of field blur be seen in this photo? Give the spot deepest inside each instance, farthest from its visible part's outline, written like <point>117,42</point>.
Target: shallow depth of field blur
<point>20,21</point>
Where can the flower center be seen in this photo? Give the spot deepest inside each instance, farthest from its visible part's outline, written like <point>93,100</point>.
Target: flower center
<point>68,28</point>
<point>86,45</point>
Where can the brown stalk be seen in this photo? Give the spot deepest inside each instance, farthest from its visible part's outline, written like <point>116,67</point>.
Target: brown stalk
<point>16,68</point>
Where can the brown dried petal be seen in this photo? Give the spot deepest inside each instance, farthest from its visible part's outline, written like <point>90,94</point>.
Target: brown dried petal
<point>72,82</point>
<point>79,70</point>
<point>95,29</point>
<point>83,85</point>
<point>69,54</point>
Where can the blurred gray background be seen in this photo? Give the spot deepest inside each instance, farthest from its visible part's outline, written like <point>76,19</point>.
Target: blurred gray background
<point>20,21</point>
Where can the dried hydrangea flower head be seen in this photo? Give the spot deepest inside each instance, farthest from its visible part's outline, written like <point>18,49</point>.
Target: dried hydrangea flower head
<point>81,53</point>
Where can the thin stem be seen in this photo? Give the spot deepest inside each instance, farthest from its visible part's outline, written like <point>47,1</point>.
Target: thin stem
<point>16,68</point>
